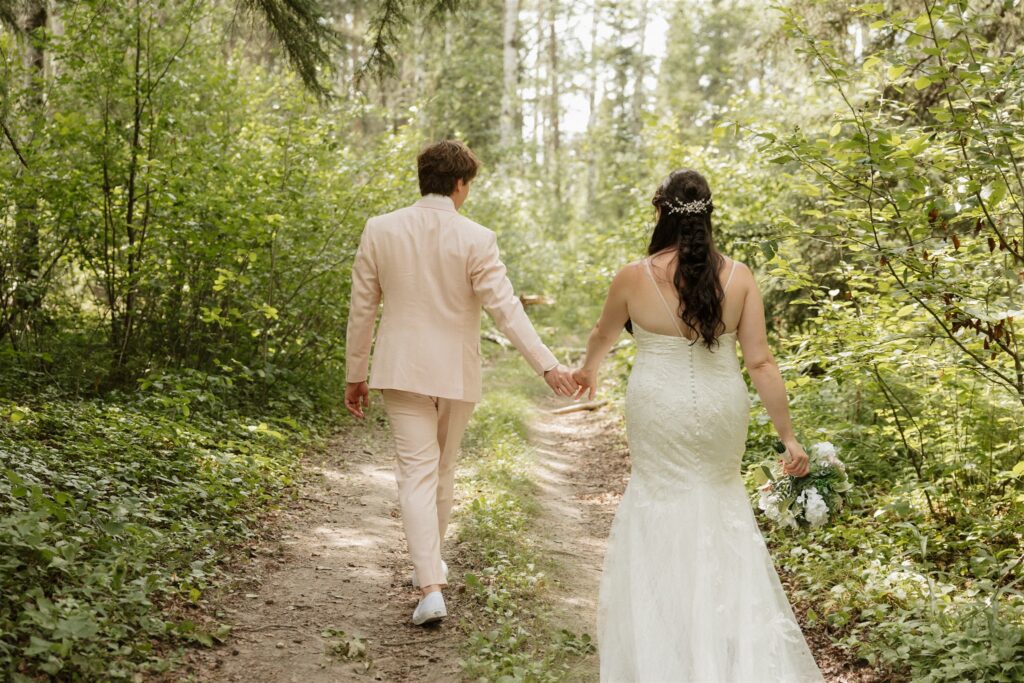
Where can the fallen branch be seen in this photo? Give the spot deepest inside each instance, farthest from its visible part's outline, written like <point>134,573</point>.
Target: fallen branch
<point>577,407</point>
<point>497,339</point>
<point>403,643</point>
<point>265,627</point>
<point>537,300</point>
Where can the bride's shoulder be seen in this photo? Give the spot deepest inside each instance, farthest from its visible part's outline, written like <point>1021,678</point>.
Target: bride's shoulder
<point>630,270</point>
<point>626,276</point>
<point>739,277</point>
<point>737,267</point>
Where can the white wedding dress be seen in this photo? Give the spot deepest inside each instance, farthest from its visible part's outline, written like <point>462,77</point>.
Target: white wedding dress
<point>689,591</point>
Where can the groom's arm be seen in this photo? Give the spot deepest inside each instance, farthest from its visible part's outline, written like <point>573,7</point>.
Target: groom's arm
<point>362,311</point>
<point>490,282</point>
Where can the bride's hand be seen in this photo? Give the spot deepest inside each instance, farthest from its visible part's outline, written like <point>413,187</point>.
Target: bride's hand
<point>587,379</point>
<point>798,463</point>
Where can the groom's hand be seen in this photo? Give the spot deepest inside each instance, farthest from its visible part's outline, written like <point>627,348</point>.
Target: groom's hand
<point>559,378</point>
<point>357,397</point>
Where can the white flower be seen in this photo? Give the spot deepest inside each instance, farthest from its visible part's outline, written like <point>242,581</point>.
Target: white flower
<point>823,450</point>
<point>815,509</point>
<point>824,453</point>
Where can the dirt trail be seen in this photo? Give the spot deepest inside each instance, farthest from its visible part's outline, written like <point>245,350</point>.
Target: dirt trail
<point>582,464</point>
<point>335,560</point>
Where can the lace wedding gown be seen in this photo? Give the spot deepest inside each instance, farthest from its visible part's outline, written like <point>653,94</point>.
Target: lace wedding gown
<point>689,591</point>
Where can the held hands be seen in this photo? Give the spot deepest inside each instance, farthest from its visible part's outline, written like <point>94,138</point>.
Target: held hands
<point>587,379</point>
<point>797,464</point>
<point>560,379</point>
<point>357,398</point>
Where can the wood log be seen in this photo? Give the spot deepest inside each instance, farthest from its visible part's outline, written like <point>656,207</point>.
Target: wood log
<point>536,300</point>
<point>577,407</point>
<point>496,338</point>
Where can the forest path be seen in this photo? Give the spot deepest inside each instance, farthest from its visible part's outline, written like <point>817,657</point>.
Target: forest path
<point>581,468</point>
<point>334,561</point>
<point>327,598</point>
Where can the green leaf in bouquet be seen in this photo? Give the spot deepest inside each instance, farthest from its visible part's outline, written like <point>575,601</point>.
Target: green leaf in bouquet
<point>762,475</point>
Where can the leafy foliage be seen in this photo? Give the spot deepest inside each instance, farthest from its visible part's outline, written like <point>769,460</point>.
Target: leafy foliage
<point>110,508</point>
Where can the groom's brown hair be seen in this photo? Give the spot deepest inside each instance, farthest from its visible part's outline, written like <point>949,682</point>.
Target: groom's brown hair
<point>443,163</point>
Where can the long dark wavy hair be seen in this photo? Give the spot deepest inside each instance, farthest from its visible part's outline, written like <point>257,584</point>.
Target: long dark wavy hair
<point>697,260</point>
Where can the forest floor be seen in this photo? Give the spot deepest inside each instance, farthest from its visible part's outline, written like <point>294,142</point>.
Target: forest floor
<point>325,596</point>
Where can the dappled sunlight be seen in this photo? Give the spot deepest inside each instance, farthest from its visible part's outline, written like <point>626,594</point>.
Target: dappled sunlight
<point>346,537</point>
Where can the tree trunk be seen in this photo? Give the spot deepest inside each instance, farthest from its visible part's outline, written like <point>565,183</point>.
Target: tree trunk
<point>510,92</point>
<point>638,84</point>
<point>27,296</point>
<point>592,118</point>
<point>131,198</point>
<point>552,136</point>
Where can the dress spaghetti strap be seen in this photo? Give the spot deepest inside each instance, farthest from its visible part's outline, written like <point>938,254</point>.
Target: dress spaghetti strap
<point>729,279</point>
<point>664,301</point>
<point>668,309</point>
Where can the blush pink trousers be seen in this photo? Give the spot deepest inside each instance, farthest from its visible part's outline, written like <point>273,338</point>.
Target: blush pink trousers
<point>427,432</point>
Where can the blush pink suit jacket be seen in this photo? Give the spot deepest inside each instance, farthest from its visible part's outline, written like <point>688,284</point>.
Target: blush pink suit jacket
<point>435,269</point>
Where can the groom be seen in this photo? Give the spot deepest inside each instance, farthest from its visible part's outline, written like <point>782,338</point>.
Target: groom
<point>434,269</point>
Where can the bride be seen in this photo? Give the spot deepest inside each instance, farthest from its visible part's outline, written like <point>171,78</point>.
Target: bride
<point>689,591</point>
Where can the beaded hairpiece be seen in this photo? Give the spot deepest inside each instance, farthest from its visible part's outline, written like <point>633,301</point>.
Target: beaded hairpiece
<point>696,206</point>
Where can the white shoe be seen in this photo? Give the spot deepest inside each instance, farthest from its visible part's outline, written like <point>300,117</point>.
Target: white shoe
<point>416,581</point>
<point>430,609</point>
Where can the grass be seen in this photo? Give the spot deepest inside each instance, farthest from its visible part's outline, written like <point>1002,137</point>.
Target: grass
<point>510,636</point>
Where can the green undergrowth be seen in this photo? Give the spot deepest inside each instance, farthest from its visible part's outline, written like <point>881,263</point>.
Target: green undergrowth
<point>116,513</point>
<point>510,634</point>
<point>918,596</point>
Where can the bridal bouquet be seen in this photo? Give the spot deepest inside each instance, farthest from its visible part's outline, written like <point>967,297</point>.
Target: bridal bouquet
<point>791,501</point>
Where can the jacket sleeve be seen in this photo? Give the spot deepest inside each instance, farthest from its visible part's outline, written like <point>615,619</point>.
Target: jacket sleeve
<point>362,311</point>
<point>491,284</point>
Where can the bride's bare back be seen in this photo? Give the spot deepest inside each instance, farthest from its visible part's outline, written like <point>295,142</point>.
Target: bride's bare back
<point>647,310</point>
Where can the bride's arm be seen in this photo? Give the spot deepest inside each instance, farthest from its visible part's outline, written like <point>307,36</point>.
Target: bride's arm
<point>765,374</point>
<point>605,332</point>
